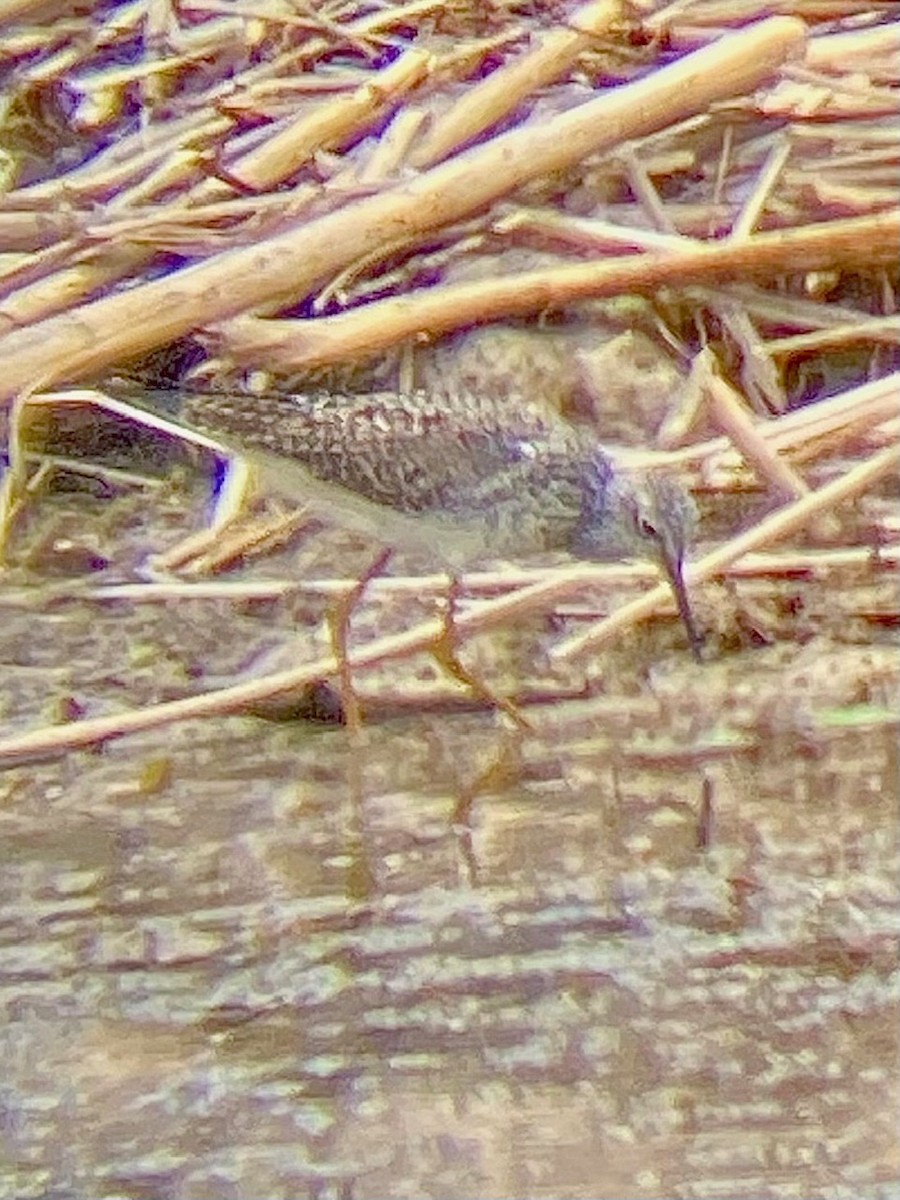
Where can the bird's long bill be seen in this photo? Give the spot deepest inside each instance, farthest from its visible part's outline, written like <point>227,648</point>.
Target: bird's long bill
<point>674,569</point>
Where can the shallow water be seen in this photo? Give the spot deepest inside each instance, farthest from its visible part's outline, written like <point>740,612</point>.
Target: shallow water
<point>613,956</point>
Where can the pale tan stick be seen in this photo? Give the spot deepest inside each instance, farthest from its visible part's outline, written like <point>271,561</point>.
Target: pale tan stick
<point>840,419</point>
<point>27,40</point>
<point>588,233</point>
<point>260,538</point>
<point>761,381</point>
<point>681,420</point>
<point>176,169</point>
<point>777,525</point>
<point>815,562</point>
<point>393,14</point>
<point>171,152</point>
<point>687,21</point>
<point>780,309</point>
<point>804,94</point>
<point>860,199</point>
<point>176,226</point>
<point>53,289</point>
<point>123,163</point>
<point>857,50</point>
<point>647,196</point>
<point>12,11</point>
<point>876,160</point>
<point>812,562</point>
<point>270,16</point>
<point>724,163</point>
<point>750,213</point>
<point>30,231</point>
<point>25,269</point>
<point>487,102</point>
<point>207,589</point>
<point>116,78</point>
<point>460,243</point>
<point>879,329</point>
<point>840,134</point>
<point>296,345</point>
<point>859,408</point>
<point>66,288</point>
<point>281,155</point>
<point>479,584</point>
<point>290,264</point>
<point>727,410</point>
<point>393,146</point>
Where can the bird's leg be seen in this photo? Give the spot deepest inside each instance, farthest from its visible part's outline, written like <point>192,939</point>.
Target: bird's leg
<point>361,881</point>
<point>338,618</point>
<point>445,652</point>
<point>504,770</point>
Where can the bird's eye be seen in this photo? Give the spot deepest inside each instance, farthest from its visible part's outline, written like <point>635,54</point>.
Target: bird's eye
<point>646,528</point>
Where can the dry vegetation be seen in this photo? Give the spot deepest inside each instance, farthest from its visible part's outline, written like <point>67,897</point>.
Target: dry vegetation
<point>339,195</point>
<point>646,947</point>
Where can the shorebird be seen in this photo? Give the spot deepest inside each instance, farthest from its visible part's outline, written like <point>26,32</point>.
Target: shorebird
<point>461,477</point>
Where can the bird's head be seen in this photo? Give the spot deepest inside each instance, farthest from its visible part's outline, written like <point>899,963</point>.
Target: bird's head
<point>649,516</point>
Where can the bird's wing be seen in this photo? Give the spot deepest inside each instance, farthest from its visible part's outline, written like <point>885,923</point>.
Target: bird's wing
<point>412,453</point>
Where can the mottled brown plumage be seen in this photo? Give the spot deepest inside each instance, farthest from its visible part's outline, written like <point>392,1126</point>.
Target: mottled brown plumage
<point>490,479</point>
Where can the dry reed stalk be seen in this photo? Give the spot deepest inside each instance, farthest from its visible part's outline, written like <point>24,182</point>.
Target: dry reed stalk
<point>479,585</point>
<point>487,102</point>
<point>287,266</point>
<point>283,153</point>
<point>749,215</point>
<point>262,537</point>
<point>805,94</point>
<point>66,288</point>
<point>828,424</point>
<point>865,50</point>
<point>124,163</point>
<point>297,345</point>
<point>788,311</point>
<point>874,329</point>
<point>839,418</point>
<point>689,22</point>
<point>728,411</point>
<point>588,234</point>
<point>27,231</point>
<point>174,153</point>
<point>56,740</point>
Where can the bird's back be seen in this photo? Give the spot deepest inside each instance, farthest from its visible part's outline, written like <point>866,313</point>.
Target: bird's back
<point>509,469</point>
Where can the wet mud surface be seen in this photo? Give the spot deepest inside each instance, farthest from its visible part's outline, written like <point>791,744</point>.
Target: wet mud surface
<point>620,955</point>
